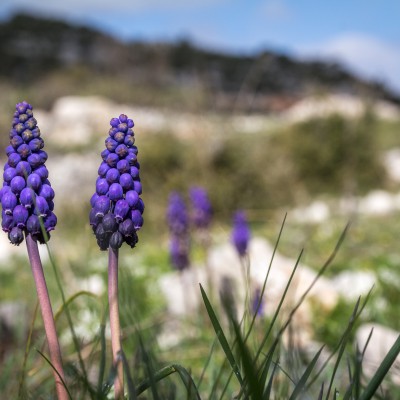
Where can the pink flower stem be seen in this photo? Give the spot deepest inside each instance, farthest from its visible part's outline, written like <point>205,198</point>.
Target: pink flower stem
<point>48,318</point>
<point>114,321</point>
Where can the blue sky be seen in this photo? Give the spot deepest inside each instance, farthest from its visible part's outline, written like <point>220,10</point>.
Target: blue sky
<point>363,34</point>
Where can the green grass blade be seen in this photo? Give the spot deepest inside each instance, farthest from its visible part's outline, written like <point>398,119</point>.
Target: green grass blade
<point>129,379</point>
<point>206,363</point>
<point>266,279</point>
<point>302,382</point>
<point>149,368</point>
<point>382,371</point>
<point>166,371</point>
<point>356,378</point>
<point>302,298</point>
<point>27,349</point>
<point>340,342</point>
<point>158,376</point>
<point>344,341</point>
<point>217,380</point>
<point>69,318</point>
<point>71,299</point>
<point>277,311</point>
<point>108,384</point>
<point>221,336</point>
<point>260,299</point>
<point>249,368</point>
<point>228,381</point>
<point>102,365</point>
<point>187,380</point>
<point>349,391</point>
<point>266,365</point>
<point>268,362</point>
<point>321,392</point>
<point>268,389</point>
<point>52,366</point>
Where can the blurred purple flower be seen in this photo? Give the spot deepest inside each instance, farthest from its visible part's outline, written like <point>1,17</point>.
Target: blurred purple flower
<point>26,195</point>
<point>117,209</point>
<point>201,208</point>
<point>178,223</point>
<point>177,217</point>
<point>240,233</point>
<point>179,252</point>
<point>257,308</point>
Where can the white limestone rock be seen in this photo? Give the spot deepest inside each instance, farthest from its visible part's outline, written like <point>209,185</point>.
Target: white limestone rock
<point>381,341</point>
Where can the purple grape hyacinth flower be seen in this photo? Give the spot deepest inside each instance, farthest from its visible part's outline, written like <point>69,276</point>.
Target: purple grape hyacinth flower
<point>201,208</point>
<point>177,217</point>
<point>240,233</point>
<point>178,223</point>
<point>117,209</point>
<point>179,253</point>
<point>26,191</point>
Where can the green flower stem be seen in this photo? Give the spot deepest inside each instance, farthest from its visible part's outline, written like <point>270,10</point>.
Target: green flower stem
<point>114,320</point>
<point>47,315</point>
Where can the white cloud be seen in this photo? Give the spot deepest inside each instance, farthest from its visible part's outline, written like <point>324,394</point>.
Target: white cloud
<point>366,55</point>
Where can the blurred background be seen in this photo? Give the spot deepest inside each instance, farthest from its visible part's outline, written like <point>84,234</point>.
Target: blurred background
<point>272,106</point>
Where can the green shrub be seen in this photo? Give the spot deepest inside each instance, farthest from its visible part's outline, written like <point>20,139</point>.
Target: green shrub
<point>334,155</point>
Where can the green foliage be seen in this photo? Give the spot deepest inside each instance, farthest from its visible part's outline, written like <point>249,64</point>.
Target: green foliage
<point>328,326</point>
<point>335,155</point>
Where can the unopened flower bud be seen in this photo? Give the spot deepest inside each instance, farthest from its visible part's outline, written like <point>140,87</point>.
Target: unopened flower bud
<point>16,236</point>
<point>116,240</point>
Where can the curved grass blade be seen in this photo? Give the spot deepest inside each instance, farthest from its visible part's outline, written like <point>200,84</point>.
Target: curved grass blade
<point>52,366</point>
<point>302,382</point>
<point>71,299</point>
<point>166,371</point>
<point>382,371</point>
<point>221,336</point>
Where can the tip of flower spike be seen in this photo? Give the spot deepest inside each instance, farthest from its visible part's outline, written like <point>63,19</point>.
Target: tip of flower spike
<point>23,106</point>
